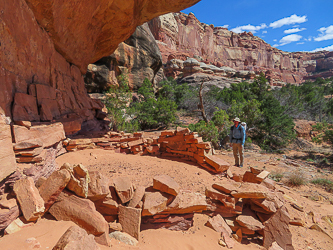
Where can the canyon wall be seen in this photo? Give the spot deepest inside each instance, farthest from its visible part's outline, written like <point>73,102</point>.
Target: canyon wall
<point>47,45</point>
<point>180,36</point>
<point>138,58</point>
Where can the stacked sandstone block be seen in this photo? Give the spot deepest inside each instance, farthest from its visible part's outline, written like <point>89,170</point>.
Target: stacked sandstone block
<point>116,208</point>
<point>180,143</point>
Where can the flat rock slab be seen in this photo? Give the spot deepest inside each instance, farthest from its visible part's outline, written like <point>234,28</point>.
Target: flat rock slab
<point>187,202</point>
<point>219,225</point>
<point>7,216</point>
<point>251,190</point>
<point>166,184</point>
<point>48,134</point>
<point>124,188</point>
<point>249,222</point>
<point>53,186</point>
<point>31,203</point>
<point>227,186</point>
<point>79,179</point>
<point>277,229</point>
<point>107,206</point>
<point>81,211</point>
<point>98,186</point>
<point>227,200</point>
<point>130,220</point>
<point>217,163</point>
<point>154,202</point>
<point>137,197</point>
<point>76,238</point>
<point>7,156</point>
<point>176,222</point>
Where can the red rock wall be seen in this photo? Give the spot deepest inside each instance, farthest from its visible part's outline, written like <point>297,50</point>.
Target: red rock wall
<point>182,35</point>
<point>51,43</point>
<point>28,59</point>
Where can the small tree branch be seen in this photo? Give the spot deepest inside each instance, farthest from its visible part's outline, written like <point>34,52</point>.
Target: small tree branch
<point>201,106</point>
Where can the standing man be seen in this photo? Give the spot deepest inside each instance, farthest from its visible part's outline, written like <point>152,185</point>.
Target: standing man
<point>237,140</point>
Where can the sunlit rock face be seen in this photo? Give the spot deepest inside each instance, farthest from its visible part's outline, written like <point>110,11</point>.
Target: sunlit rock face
<point>180,36</point>
<point>51,43</point>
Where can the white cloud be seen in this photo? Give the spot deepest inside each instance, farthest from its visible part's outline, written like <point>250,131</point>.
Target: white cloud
<point>288,20</point>
<point>224,26</point>
<point>264,31</point>
<point>249,27</point>
<point>289,39</point>
<point>300,43</point>
<point>295,30</point>
<point>328,48</point>
<point>326,34</point>
<point>275,40</point>
<point>309,39</point>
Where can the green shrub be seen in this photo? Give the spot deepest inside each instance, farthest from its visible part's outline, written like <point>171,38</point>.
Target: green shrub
<point>327,184</point>
<point>208,131</point>
<point>151,112</point>
<point>276,176</point>
<point>116,101</point>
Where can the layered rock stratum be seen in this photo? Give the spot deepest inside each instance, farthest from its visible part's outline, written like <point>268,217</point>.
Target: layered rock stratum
<point>180,36</point>
<point>47,45</point>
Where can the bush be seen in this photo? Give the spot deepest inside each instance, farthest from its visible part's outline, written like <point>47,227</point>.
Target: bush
<point>327,184</point>
<point>208,131</point>
<point>150,112</point>
<point>296,178</point>
<point>118,98</point>
<point>276,176</point>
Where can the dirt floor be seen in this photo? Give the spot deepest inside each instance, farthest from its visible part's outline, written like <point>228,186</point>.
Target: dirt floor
<point>142,169</point>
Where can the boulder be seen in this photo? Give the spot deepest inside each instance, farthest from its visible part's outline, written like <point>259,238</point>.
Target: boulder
<point>107,206</point>
<point>154,202</point>
<point>81,211</point>
<point>277,229</point>
<point>48,134</point>
<point>6,185</point>
<point>130,220</point>
<point>166,184</point>
<point>98,187</point>
<point>76,238</point>
<point>217,163</point>
<point>124,188</point>
<point>124,237</point>
<point>79,179</point>
<point>53,186</point>
<point>227,200</point>
<point>31,203</point>
<point>249,222</point>
<point>251,190</point>
<point>137,197</point>
<point>219,225</point>
<point>187,202</point>
<point>226,186</point>
<point>7,216</point>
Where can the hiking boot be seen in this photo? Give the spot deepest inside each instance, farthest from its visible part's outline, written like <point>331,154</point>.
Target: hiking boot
<point>240,166</point>
<point>236,165</point>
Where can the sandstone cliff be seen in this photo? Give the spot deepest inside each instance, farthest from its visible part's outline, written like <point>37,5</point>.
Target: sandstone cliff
<point>138,57</point>
<point>180,36</point>
<point>47,45</point>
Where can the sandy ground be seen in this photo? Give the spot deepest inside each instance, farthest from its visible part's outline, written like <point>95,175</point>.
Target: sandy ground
<point>142,169</point>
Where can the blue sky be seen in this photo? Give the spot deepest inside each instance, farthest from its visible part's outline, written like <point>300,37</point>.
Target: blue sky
<point>289,25</point>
